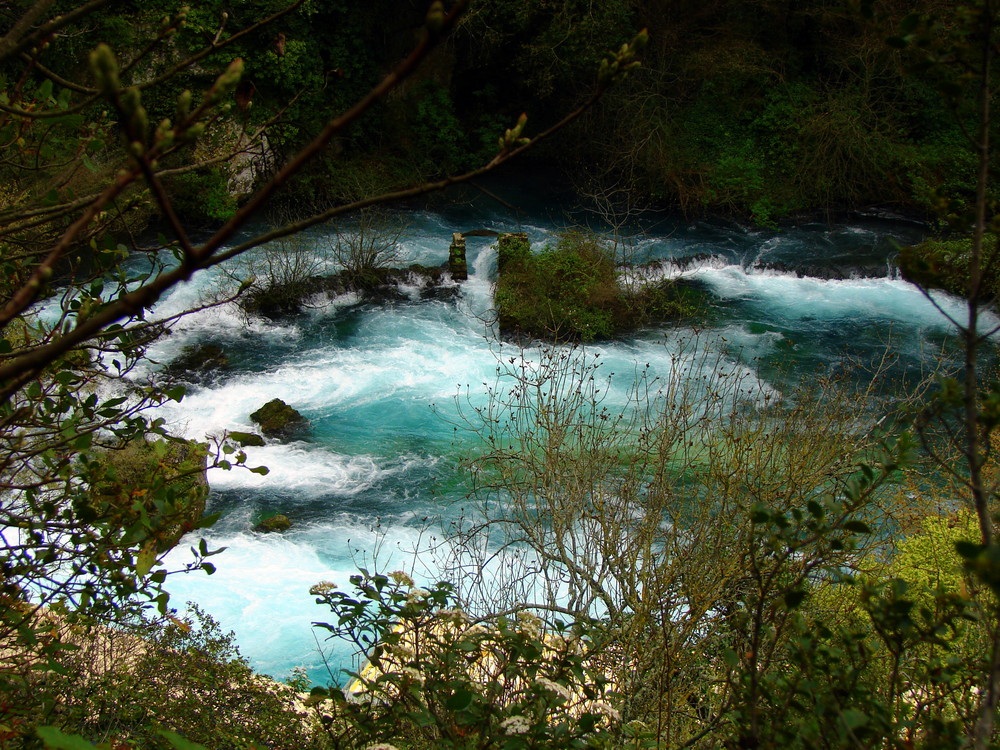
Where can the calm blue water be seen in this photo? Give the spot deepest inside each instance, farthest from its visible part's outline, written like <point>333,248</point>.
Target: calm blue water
<point>379,383</point>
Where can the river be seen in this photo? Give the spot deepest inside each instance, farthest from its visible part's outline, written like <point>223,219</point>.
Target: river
<point>378,383</point>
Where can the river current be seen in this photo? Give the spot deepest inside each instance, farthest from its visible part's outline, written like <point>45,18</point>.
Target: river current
<point>378,383</point>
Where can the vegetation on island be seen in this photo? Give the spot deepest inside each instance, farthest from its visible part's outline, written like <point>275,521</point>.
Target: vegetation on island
<point>710,566</point>
<point>575,292</point>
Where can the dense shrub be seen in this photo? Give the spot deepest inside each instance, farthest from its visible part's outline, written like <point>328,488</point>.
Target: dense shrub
<point>572,292</point>
<point>129,684</point>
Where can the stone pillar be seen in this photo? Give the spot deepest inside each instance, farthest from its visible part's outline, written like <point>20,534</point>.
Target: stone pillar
<point>510,247</point>
<point>456,258</point>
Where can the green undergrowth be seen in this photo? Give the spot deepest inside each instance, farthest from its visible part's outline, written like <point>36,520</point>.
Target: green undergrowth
<point>944,264</point>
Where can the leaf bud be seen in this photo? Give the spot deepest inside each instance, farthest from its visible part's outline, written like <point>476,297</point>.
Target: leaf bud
<point>640,40</point>
<point>183,106</point>
<point>229,79</point>
<point>104,66</point>
<point>165,134</point>
<point>521,122</point>
<point>140,122</point>
<point>435,17</point>
<point>194,132</point>
<point>131,99</point>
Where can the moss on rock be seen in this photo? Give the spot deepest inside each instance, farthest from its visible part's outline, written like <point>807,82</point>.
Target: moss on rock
<point>276,523</point>
<point>279,420</point>
<point>245,439</point>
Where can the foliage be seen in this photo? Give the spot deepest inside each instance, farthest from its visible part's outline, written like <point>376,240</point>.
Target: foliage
<point>437,678</point>
<point>115,686</point>
<point>944,264</point>
<point>202,196</point>
<point>434,134</point>
<point>565,292</point>
<point>690,515</point>
<point>764,110</point>
<point>283,278</point>
<point>277,280</point>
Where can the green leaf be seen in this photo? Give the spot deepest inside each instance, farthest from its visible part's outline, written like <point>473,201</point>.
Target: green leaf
<point>176,393</point>
<point>262,470</point>
<point>56,740</point>
<point>853,718</point>
<point>145,559</point>
<point>179,743</point>
<point>460,700</point>
<point>794,598</point>
<point>205,522</point>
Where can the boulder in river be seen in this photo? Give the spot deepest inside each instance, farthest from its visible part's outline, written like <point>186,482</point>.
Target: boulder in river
<point>198,363</point>
<point>245,439</point>
<point>279,420</point>
<point>276,523</point>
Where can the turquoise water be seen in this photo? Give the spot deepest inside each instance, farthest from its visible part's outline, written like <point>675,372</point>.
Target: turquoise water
<point>379,469</point>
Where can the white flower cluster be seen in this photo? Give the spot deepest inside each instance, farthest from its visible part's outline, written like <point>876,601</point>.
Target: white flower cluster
<point>515,725</point>
<point>554,687</point>
<point>323,587</point>
<point>417,595</point>
<point>530,625</point>
<point>456,616</point>
<point>605,709</point>
<point>381,746</point>
<point>401,578</point>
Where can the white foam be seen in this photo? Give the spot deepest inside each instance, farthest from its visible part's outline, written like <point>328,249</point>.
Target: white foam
<point>794,297</point>
<point>260,589</point>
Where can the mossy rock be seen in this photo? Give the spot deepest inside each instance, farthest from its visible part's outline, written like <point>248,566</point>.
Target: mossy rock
<point>274,524</point>
<point>198,363</point>
<point>246,439</point>
<point>278,301</point>
<point>279,420</point>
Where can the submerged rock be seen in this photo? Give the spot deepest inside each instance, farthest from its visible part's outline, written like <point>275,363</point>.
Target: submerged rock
<point>198,363</point>
<point>279,420</point>
<point>245,439</point>
<point>380,285</point>
<point>274,524</point>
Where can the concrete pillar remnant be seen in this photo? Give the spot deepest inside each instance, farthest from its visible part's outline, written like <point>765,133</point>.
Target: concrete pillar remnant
<point>457,266</point>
